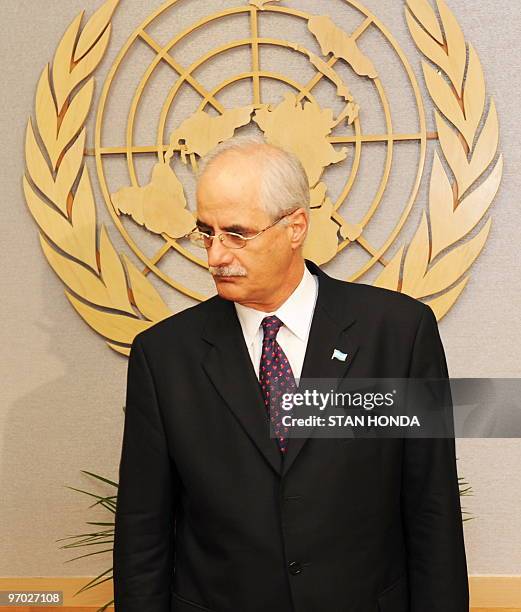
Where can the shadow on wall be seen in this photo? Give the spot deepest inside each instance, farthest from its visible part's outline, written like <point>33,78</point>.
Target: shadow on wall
<point>73,421</point>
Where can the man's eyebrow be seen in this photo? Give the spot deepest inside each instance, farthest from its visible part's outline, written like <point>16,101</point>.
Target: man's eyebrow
<point>239,229</point>
<point>200,224</point>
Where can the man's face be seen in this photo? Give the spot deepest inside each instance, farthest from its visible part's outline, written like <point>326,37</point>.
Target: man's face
<point>227,200</point>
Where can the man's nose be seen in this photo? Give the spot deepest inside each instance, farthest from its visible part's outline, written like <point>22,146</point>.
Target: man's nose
<point>218,254</point>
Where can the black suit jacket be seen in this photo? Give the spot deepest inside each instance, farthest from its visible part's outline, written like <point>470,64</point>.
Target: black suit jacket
<point>209,517</point>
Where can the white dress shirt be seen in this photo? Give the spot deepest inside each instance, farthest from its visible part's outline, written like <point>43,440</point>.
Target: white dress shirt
<point>296,314</point>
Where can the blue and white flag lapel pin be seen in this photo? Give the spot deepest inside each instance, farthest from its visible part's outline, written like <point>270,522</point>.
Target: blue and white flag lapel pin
<point>339,355</point>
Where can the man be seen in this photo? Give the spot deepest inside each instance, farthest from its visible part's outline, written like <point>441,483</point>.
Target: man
<point>215,514</point>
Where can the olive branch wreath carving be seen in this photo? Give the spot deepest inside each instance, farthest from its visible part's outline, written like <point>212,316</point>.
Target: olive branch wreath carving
<point>59,194</point>
<point>118,301</point>
<point>454,210</point>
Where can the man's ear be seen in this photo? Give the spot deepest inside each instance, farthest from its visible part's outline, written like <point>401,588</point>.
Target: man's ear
<point>299,225</point>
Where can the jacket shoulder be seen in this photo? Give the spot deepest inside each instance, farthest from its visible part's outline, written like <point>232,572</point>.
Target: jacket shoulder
<point>379,298</point>
<point>382,309</point>
<point>184,323</point>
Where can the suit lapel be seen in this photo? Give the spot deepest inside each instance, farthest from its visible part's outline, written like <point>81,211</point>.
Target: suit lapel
<point>331,328</point>
<point>229,367</point>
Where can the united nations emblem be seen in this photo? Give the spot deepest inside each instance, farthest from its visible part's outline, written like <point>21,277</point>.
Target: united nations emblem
<point>338,117</point>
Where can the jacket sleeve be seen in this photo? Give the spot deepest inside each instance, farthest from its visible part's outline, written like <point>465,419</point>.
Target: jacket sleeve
<point>147,494</point>
<point>431,512</point>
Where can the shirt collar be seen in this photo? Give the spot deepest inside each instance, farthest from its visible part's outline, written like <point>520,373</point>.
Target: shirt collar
<point>296,312</point>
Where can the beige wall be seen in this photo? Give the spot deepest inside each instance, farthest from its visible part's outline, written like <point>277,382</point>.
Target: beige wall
<point>63,389</point>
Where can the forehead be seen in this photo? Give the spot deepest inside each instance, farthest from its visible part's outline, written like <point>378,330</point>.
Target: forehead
<point>228,191</point>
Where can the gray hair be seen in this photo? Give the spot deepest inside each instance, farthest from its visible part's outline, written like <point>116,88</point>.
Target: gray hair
<point>284,181</point>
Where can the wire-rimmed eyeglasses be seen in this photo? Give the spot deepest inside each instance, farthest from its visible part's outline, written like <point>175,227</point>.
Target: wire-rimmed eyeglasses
<point>231,240</point>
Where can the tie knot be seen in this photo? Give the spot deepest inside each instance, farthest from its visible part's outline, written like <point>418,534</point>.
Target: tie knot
<point>271,326</point>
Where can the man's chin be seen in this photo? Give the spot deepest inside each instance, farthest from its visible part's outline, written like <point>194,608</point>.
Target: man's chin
<point>228,286</point>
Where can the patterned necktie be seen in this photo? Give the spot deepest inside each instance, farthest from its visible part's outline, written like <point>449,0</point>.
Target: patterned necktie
<point>275,377</point>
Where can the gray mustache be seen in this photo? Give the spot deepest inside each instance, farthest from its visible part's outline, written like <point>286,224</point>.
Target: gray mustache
<point>227,271</point>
